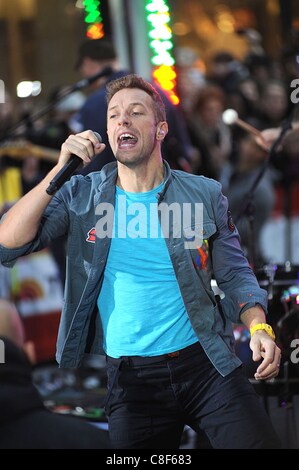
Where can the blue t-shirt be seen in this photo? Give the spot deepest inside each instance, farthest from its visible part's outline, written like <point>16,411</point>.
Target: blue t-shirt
<point>140,302</point>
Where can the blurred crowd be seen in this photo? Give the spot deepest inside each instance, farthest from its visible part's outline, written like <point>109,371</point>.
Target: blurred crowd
<point>259,89</point>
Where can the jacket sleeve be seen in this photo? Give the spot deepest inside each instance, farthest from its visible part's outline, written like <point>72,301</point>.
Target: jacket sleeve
<point>232,272</point>
<point>54,223</point>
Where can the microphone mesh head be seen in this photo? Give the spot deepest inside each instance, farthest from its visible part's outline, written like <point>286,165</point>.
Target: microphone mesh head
<point>229,116</point>
<point>98,136</point>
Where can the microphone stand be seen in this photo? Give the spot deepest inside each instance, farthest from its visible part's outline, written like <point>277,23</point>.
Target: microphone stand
<point>11,132</point>
<point>247,207</point>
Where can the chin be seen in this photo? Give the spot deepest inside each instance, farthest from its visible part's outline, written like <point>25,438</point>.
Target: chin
<point>128,160</point>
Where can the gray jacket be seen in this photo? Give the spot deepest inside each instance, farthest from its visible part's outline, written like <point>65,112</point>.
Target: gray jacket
<point>73,211</point>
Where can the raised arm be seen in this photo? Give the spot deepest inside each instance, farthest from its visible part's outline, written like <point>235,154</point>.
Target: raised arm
<point>21,223</point>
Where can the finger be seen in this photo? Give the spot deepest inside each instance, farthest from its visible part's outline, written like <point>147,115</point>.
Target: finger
<point>96,140</point>
<point>266,377</point>
<point>268,357</point>
<point>256,349</point>
<point>272,369</point>
<point>256,354</point>
<point>277,357</point>
<point>72,147</point>
<point>275,362</point>
<point>84,144</point>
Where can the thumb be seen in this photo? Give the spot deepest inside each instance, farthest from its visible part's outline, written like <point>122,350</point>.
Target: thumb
<point>256,351</point>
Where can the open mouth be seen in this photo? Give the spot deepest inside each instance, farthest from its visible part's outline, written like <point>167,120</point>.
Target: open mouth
<point>126,140</point>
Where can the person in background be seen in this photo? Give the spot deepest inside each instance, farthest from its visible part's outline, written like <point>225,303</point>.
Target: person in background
<point>226,72</point>
<point>208,132</point>
<point>275,104</point>
<point>96,56</point>
<point>237,179</point>
<point>56,128</point>
<point>25,423</point>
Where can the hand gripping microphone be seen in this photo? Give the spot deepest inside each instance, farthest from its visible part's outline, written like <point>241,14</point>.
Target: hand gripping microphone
<point>66,171</point>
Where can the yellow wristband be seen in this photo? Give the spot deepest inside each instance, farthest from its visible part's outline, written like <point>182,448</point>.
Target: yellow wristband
<point>263,326</point>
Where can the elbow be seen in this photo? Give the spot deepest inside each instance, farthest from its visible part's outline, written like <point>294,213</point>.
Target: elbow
<point>10,241</point>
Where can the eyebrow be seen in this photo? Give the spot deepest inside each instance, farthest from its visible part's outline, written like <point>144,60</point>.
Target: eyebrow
<point>136,103</point>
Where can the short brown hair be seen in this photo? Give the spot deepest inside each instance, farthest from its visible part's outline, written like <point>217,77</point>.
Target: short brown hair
<point>135,81</point>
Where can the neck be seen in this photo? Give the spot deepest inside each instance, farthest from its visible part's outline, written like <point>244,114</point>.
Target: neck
<point>141,178</point>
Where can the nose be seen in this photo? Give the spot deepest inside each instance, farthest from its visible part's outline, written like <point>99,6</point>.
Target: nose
<point>124,120</point>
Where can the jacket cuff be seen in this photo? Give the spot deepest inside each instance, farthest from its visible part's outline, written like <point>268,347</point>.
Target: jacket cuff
<point>8,256</point>
<point>251,305</point>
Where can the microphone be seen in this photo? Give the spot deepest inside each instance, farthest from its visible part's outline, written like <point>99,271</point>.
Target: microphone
<point>88,81</point>
<point>66,171</point>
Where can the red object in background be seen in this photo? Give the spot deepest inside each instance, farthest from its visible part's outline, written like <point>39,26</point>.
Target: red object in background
<point>34,285</point>
<point>42,331</point>
<point>280,195</point>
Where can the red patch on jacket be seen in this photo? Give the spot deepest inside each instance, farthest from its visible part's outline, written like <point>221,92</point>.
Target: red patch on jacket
<point>91,235</point>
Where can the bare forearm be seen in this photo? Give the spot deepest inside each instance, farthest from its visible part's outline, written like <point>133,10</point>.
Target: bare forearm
<point>21,222</point>
<point>253,316</point>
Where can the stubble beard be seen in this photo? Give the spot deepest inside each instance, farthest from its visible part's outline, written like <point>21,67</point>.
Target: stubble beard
<point>135,160</point>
